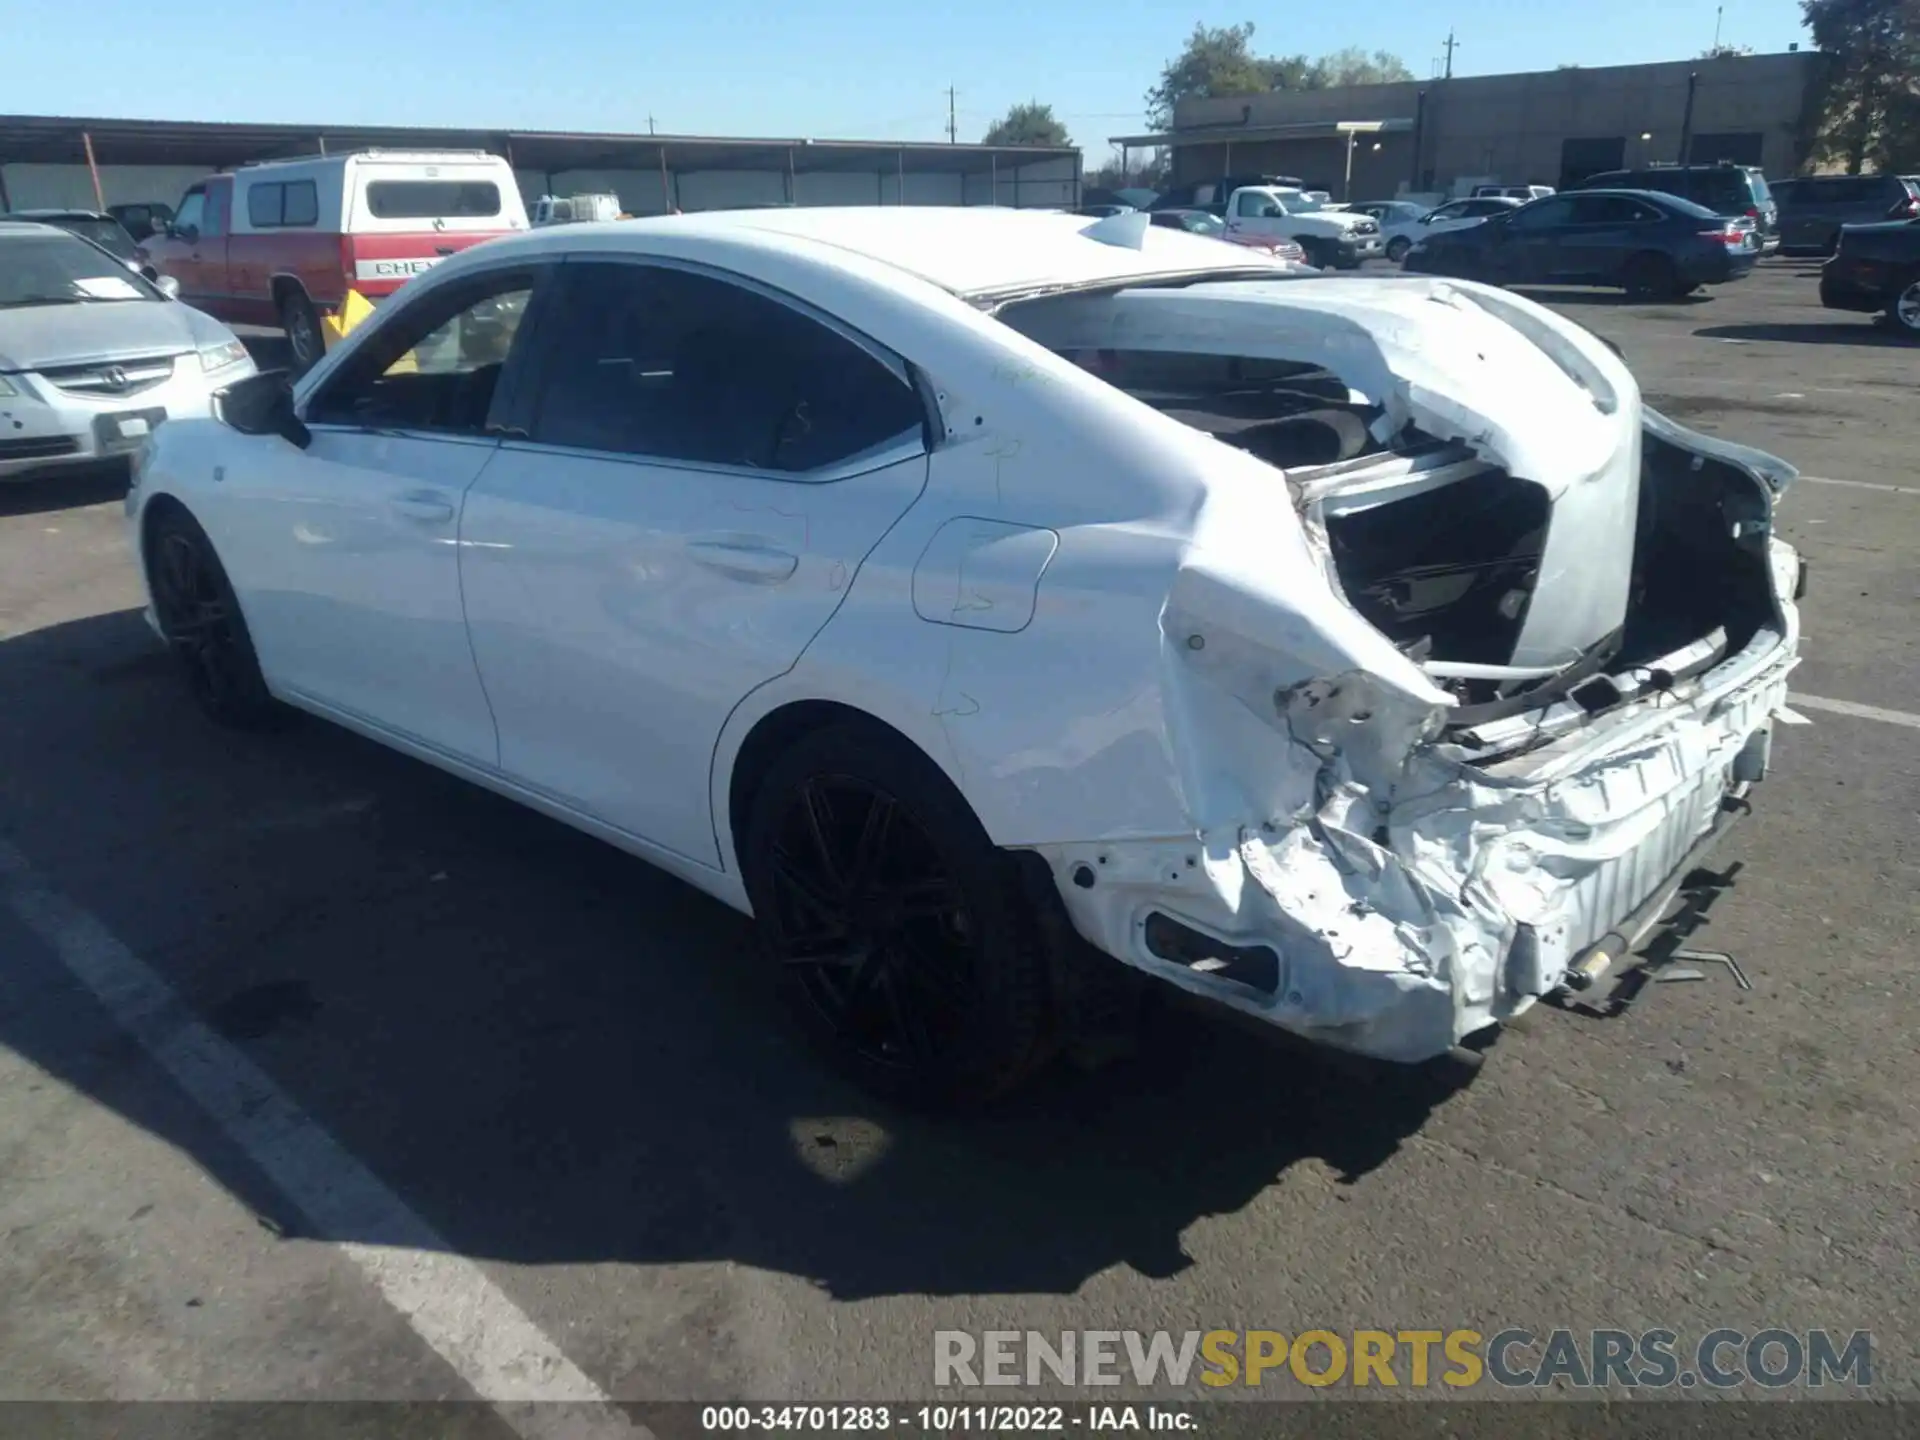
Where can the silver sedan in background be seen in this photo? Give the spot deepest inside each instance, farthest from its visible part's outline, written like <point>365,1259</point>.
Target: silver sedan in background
<point>93,356</point>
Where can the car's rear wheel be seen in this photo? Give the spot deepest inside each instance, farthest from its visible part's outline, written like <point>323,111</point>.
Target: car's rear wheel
<point>302,324</point>
<point>905,944</point>
<point>200,619</point>
<point>1653,276</point>
<point>1904,312</point>
<point>1397,249</point>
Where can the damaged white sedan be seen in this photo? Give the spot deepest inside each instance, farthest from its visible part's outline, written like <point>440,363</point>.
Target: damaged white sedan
<point>979,599</point>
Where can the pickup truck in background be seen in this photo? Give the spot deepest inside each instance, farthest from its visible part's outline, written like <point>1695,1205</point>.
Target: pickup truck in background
<point>1333,239</point>
<point>283,243</point>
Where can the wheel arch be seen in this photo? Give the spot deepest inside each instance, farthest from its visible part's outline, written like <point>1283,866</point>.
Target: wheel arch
<point>752,742</point>
<point>158,508</point>
<point>285,284</point>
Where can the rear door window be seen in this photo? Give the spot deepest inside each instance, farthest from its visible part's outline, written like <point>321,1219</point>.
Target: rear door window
<point>283,205</point>
<point>1611,210</point>
<point>672,365</point>
<point>1838,190</point>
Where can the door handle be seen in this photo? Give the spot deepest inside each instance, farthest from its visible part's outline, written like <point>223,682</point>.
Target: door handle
<point>428,505</point>
<point>745,560</point>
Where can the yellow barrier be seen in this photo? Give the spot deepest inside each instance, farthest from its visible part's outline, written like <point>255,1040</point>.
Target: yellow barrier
<point>335,328</point>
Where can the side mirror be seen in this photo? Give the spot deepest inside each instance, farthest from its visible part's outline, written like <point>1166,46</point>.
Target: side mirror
<point>188,233</point>
<point>262,404</point>
<point>168,286</point>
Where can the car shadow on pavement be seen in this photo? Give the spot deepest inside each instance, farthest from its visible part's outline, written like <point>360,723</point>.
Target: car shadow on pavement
<point>558,1055</point>
<point>1655,309</point>
<point>1863,331</point>
<point>81,486</point>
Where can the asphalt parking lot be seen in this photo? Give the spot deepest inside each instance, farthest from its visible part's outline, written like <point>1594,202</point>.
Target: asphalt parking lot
<point>557,1097</point>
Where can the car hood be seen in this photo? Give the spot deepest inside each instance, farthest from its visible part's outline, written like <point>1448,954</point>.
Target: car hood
<point>39,336</point>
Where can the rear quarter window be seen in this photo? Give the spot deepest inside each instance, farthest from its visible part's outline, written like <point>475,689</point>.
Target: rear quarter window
<point>433,199</point>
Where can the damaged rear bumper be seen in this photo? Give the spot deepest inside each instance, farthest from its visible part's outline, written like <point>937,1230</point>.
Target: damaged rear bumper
<point>1397,935</point>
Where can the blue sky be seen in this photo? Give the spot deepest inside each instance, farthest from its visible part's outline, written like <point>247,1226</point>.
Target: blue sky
<point>825,68</point>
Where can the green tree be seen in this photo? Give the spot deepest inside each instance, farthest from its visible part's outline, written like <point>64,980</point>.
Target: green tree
<point>1725,52</point>
<point>1216,62</point>
<point>1030,124</point>
<point>1219,61</point>
<point>1869,97</point>
<point>1354,66</point>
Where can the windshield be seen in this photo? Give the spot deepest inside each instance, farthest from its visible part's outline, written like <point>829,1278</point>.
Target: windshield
<point>1201,223</point>
<point>107,234</point>
<point>1298,202</point>
<point>57,269</point>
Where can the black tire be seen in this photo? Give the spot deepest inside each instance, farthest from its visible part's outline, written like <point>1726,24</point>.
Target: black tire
<point>1904,312</point>
<point>903,939</point>
<point>1653,276</point>
<point>1397,249</point>
<point>200,618</point>
<point>301,321</point>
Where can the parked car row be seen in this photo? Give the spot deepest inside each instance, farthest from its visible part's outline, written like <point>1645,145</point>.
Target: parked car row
<point>1650,244</point>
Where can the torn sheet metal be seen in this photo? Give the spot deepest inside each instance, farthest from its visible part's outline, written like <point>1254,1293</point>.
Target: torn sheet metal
<point>1410,910</point>
<point>1520,388</point>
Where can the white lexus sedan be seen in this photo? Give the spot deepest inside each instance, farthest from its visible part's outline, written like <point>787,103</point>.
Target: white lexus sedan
<point>985,601</point>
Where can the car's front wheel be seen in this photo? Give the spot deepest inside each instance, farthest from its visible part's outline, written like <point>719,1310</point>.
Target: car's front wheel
<point>903,939</point>
<point>1904,312</point>
<point>1397,249</point>
<point>200,619</point>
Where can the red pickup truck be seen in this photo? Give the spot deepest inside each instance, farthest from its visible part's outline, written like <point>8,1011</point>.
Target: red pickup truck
<point>282,243</point>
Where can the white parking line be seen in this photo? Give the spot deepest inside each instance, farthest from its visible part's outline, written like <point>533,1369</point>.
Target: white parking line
<point>448,1300</point>
<point>1861,485</point>
<point>1858,711</point>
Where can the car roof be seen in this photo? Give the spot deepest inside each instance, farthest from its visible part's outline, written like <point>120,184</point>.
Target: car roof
<point>971,251</point>
<point>1655,197</point>
<point>14,225</point>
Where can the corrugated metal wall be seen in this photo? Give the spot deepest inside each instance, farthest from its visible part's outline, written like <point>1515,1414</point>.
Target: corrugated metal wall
<point>1047,183</point>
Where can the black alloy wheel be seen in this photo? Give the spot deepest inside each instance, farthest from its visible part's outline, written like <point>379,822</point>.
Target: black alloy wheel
<point>901,937</point>
<point>871,923</point>
<point>201,621</point>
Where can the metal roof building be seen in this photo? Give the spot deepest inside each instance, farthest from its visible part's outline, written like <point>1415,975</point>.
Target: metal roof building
<point>88,161</point>
<point>1550,127</point>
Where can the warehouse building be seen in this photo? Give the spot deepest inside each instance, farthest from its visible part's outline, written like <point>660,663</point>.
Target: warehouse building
<point>91,163</point>
<point>1548,127</point>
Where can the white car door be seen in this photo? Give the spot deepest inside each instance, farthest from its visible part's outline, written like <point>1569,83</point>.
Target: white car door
<point>707,467</point>
<point>1255,212</point>
<point>347,557</point>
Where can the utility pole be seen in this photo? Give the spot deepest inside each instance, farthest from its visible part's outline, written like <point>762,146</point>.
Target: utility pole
<point>1719,14</point>
<point>953,128</point>
<point>649,125</point>
<point>1451,43</point>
